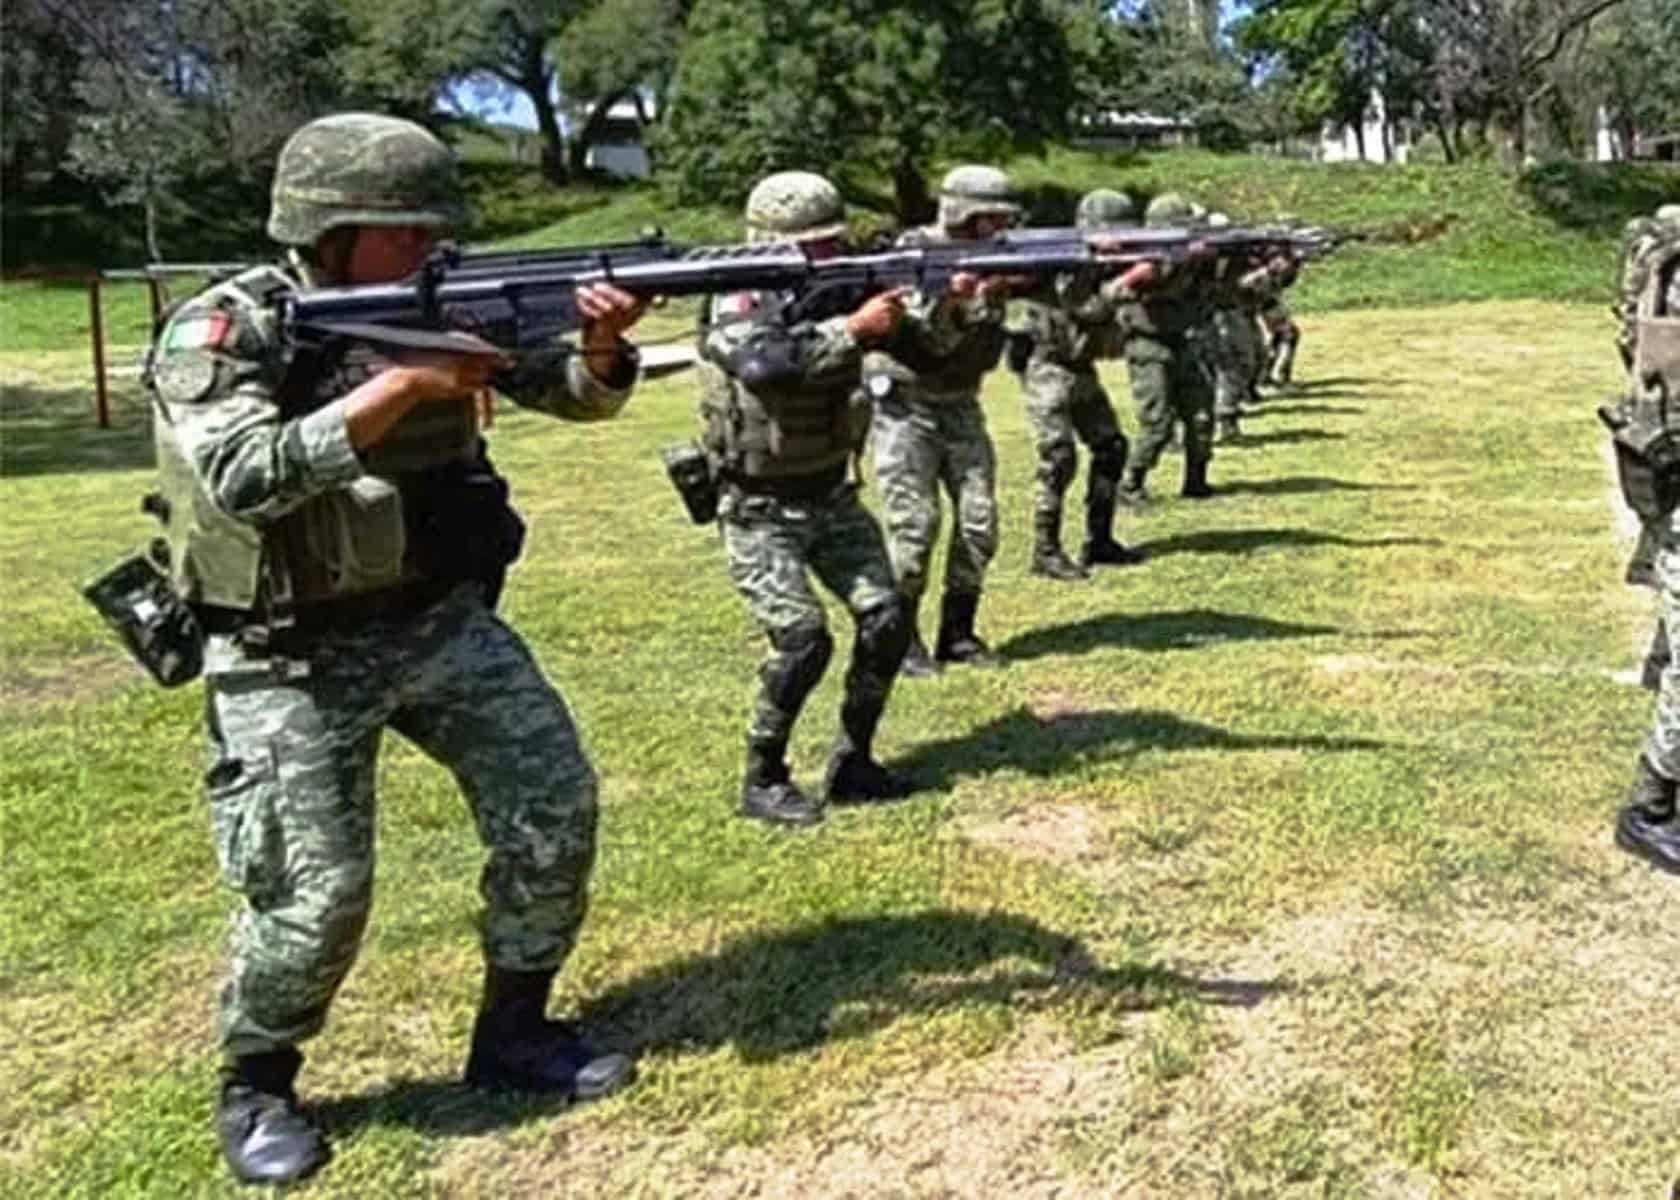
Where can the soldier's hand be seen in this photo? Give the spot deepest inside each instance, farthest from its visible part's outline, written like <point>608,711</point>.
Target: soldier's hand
<point>876,318</point>
<point>608,311</point>
<point>426,378</point>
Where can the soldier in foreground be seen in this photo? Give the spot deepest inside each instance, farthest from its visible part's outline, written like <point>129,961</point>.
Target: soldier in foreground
<point>1649,824</point>
<point>1167,327</point>
<point>783,416</point>
<point>1066,332</point>
<point>337,536</point>
<point>929,429</point>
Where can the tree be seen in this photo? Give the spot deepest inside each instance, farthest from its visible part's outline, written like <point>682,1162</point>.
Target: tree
<point>764,85</point>
<point>614,51</point>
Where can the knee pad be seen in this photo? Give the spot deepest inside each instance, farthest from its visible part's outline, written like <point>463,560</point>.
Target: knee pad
<point>883,636</point>
<point>1057,465</point>
<point>800,657</point>
<point>1108,458</point>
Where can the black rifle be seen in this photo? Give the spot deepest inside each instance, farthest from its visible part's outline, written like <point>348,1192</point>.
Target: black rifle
<point>524,301</point>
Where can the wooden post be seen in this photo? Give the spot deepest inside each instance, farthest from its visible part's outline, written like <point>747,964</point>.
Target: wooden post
<point>154,293</point>
<point>102,403</point>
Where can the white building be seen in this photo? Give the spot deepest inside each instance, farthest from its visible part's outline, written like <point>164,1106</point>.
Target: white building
<point>1385,140</point>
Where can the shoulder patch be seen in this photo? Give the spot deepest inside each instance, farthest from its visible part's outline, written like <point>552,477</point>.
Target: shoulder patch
<point>206,329</point>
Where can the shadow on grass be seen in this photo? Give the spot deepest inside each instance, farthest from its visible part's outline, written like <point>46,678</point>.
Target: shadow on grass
<point>52,430</point>
<point>1305,485</point>
<point>1252,541</point>
<point>1289,437</point>
<point>787,991</point>
<point>1304,386</point>
<point>1190,629</point>
<point>1044,746</point>
<point>1282,408</point>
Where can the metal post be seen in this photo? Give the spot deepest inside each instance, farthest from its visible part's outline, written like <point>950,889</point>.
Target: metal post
<point>154,292</point>
<point>102,404</point>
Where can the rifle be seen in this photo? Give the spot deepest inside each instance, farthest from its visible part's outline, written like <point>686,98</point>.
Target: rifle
<point>521,302</point>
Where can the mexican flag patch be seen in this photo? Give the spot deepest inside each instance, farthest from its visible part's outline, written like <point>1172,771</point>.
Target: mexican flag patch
<point>201,331</point>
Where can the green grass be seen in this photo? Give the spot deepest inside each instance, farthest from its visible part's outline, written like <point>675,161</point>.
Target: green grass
<point>1278,866</point>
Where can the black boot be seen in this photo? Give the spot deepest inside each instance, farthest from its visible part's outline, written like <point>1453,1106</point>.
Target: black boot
<point>1100,549</point>
<point>958,643</point>
<point>1048,559</point>
<point>768,791</point>
<point>1647,826</point>
<point>917,663</point>
<point>1656,658</point>
<point>264,1136</point>
<point>1132,492</point>
<point>853,777</point>
<point>515,1047</point>
<point>1196,485</point>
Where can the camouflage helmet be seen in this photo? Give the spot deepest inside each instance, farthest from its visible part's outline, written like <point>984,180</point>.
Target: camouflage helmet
<point>974,191</point>
<point>1218,220</point>
<point>795,206</point>
<point>1105,206</point>
<point>1169,208</point>
<point>1669,214</point>
<point>361,169</point>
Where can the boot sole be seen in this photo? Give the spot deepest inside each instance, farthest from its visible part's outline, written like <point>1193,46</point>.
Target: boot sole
<point>1643,852</point>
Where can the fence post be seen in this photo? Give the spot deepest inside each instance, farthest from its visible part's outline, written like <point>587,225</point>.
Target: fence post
<point>102,404</point>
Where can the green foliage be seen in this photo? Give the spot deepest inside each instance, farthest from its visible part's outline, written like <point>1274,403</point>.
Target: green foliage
<point>767,85</point>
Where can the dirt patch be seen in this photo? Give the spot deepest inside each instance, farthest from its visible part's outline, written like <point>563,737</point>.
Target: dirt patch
<point>27,687</point>
<point>1059,833</point>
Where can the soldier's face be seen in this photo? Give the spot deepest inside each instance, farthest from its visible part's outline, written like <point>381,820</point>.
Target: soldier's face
<point>817,249</point>
<point>985,225</point>
<point>384,254</point>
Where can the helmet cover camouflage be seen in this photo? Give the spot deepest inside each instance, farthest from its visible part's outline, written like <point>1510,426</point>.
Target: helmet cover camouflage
<point>1669,214</point>
<point>1169,208</point>
<point>1105,206</point>
<point>798,206</point>
<point>975,191</point>
<point>361,169</point>
<point>1218,220</point>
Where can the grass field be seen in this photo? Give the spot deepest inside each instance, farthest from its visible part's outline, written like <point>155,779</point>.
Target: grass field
<point>1278,866</point>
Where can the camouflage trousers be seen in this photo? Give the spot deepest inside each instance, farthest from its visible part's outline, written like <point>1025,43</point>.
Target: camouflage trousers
<point>291,793</point>
<point>1283,337</point>
<point>1662,747</point>
<point>1064,404</point>
<point>1171,381</point>
<point>772,547</point>
<point>1239,358</point>
<point>920,447</point>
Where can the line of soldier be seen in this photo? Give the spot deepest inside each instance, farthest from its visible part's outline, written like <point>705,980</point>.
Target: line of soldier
<point>1647,311</point>
<point>341,538</point>
<point>786,407</point>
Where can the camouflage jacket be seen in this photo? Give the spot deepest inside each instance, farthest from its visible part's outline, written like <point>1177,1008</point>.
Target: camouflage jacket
<point>265,494</point>
<point>1074,321</point>
<point>943,347</point>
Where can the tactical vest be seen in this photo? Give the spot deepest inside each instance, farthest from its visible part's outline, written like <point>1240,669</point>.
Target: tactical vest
<point>766,417</point>
<point>1075,330</point>
<point>351,539</point>
<point>1646,425</point>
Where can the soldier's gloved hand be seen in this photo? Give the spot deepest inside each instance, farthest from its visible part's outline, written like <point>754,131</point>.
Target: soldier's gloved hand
<point>876,318</point>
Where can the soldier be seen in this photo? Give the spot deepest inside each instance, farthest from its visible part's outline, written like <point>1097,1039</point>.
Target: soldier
<point>783,415</point>
<point>930,431</point>
<point>1168,316</point>
<point>1283,334</point>
<point>1066,332</point>
<point>1238,351</point>
<point>337,535</point>
<point>1649,825</point>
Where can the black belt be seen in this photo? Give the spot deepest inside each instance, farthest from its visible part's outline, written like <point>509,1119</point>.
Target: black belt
<point>789,487</point>
<point>338,613</point>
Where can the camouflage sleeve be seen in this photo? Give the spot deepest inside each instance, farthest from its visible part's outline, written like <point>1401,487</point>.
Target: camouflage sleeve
<point>560,383</point>
<point>215,376</point>
<point>803,352</point>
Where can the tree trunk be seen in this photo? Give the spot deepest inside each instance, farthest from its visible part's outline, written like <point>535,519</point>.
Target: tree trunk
<point>910,194</point>
<point>1359,135</point>
<point>154,253</point>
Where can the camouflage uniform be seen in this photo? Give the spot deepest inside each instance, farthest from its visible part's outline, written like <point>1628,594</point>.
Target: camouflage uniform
<point>1066,331</point>
<point>1648,824</point>
<point>1168,348</point>
<point>780,447</point>
<point>930,432</point>
<point>343,592</point>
